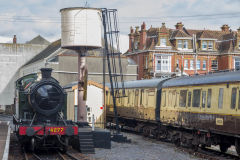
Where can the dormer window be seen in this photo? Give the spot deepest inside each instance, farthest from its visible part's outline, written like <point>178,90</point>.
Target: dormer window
<point>163,42</point>
<point>204,45</point>
<point>185,45</point>
<point>179,44</point>
<point>182,44</point>
<point>210,45</point>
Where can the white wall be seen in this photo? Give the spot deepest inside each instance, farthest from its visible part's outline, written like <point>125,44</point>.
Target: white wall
<point>12,57</point>
<point>94,101</point>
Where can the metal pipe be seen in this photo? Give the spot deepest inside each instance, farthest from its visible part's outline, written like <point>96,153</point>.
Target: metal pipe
<point>82,72</point>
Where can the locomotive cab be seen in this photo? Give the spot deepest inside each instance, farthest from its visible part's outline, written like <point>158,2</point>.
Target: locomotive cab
<point>40,119</point>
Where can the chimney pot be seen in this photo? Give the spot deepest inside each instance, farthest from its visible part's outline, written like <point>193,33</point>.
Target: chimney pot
<point>225,28</point>
<point>179,26</point>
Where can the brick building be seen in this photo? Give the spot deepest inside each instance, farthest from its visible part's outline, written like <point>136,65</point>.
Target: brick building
<point>161,52</point>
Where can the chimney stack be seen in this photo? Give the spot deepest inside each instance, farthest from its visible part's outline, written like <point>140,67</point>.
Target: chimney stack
<point>225,28</point>
<point>46,72</point>
<point>14,39</point>
<point>179,26</point>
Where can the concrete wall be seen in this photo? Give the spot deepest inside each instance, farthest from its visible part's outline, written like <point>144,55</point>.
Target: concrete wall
<point>12,57</point>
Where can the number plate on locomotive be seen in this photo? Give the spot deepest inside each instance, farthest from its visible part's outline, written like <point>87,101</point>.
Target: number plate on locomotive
<point>56,130</point>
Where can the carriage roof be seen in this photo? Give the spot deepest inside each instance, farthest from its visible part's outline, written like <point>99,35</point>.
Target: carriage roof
<point>221,77</point>
<point>147,83</point>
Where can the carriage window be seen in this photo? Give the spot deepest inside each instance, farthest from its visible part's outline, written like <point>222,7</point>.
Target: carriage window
<point>220,98</point>
<point>183,98</point>
<point>164,99</point>
<point>128,96</point>
<point>141,96</point>
<point>239,99</point>
<point>209,98</point>
<point>189,98</point>
<point>136,98</point>
<point>203,99</point>
<point>234,97</point>
<point>196,98</point>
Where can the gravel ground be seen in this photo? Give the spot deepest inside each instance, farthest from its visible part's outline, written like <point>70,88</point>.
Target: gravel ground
<point>142,148</point>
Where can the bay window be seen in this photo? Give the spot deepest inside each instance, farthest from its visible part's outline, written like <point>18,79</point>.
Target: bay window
<point>163,63</point>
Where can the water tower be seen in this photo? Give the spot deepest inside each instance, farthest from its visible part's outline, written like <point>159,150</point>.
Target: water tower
<point>81,31</point>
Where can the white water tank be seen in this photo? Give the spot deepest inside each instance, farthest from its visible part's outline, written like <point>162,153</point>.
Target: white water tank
<point>81,28</point>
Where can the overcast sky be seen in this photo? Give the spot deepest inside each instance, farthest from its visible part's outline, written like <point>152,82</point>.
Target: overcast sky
<point>29,18</point>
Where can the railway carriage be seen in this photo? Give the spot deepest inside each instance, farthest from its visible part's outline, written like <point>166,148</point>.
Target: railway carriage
<point>200,110</point>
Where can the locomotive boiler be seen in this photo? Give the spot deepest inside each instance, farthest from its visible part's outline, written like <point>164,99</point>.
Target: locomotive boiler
<point>40,118</point>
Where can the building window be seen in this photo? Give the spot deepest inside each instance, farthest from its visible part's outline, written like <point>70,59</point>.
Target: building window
<point>204,45</point>
<point>210,45</point>
<point>214,64</point>
<point>237,63</point>
<point>185,45</point>
<point>196,98</point>
<point>198,64</point>
<point>163,63</point>
<point>191,64</point>
<point>220,98</point>
<point>185,64</point>
<point>163,42</point>
<point>238,44</point>
<point>204,64</point>
<point>180,44</point>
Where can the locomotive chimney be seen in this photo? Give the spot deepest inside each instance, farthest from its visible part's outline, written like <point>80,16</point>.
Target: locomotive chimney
<point>46,72</point>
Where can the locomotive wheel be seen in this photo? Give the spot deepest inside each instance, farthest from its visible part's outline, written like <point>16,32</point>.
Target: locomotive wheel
<point>223,147</point>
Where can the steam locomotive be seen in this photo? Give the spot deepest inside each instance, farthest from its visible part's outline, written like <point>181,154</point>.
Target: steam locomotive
<point>40,118</point>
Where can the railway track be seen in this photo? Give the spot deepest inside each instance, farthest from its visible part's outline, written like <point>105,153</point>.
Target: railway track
<point>56,155</point>
<point>205,153</point>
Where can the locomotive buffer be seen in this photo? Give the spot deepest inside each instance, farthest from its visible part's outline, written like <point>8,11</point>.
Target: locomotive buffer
<point>113,56</point>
